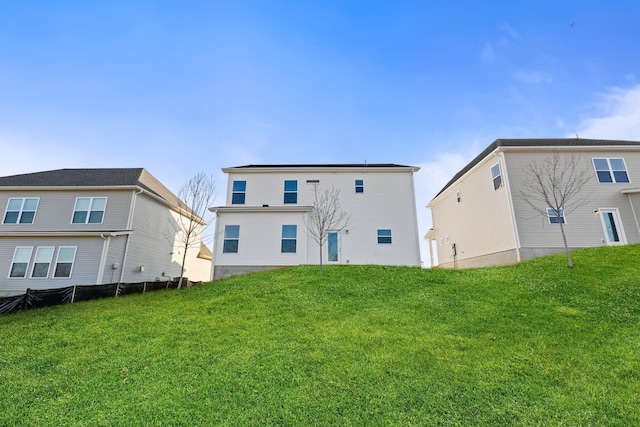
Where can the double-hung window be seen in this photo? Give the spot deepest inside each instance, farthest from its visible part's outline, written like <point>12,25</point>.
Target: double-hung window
<point>496,175</point>
<point>359,186</point>
<point>290,192</point>
<point>42,262</point>
<point>555,216</point>
<point>289,237</point>
<point>611,170</point>
<point>89,210</point>
<point>239,192</point>
<point>231,238</point>
<point>20,262</point>
<point>384,236</point>
<point>64,261</point>
<point>21,211</point>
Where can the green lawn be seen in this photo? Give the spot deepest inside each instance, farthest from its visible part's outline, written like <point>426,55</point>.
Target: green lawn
<point>532,344</point>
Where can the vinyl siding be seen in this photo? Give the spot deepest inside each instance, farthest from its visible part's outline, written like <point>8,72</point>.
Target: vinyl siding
<point>260,239</point>
<point>582,228</point>
<point>387,203</point>
<point>114,258</point>
<point>85,267</point>
<point>55,210</point>
<point>480,225</point>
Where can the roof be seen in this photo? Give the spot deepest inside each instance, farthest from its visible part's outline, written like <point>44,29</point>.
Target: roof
<point>329,165</point>
<point>113,177</point>
<point>536,142</point>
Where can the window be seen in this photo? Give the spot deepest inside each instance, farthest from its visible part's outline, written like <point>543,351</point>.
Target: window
<point>458,197</point>
<point>611,170</point>
<point>359,186</point>
<point>496,176</point>
<point>20,263</point>
<point>231,237</point>
<point>89,210</point>
<point>289,235</point>
<point>42,263</point>
<point>21,211</point>
<point>239,192</point>
<point>555,217</point>
<point>290,192</point>
<point>384,236</point>
<point>64,262</point>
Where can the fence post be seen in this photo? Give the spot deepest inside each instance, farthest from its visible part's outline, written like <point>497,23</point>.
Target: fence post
<point>117,288</point>
<point>144,287</point>
<point>73,294</point>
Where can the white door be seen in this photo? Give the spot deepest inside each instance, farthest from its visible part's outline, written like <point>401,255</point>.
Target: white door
<point>612,225</point>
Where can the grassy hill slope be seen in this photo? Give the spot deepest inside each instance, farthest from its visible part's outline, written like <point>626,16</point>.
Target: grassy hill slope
<point>531,344</point>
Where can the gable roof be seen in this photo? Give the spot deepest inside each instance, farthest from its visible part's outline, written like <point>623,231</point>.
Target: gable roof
<point>536,142</point>
<point>321,167</point>
<point>327,165</point>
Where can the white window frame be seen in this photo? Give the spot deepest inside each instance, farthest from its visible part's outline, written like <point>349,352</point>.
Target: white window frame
<point>499,175</point>
<point>551,213</point>
<point>13,261</point>
<point>35,261</point>
<point>229,239</point>
<point>73,261</point>
<point>384,236</point>
<point>289,239</point>
<point>359,186</point>
<point>90,210</point>
<point>21,211</point>
<point>611,170</point>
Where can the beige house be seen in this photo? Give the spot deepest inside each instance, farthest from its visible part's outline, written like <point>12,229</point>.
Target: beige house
<point>480,217</point>
<point>91,226</point>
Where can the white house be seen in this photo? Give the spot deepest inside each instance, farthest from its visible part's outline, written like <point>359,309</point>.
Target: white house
<point>263,223</point>
<point>481,217</point>
<point>91,226</point>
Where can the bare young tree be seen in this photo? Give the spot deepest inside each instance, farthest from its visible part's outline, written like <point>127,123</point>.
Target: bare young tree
<point>326,216</point>
<point>555,187</point>
<point>194,198</point>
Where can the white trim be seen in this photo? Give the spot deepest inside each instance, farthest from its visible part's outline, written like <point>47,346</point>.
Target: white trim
<point>617,222</point>
<point>73,262</point>
<point>35,259</point>
<point>507,186</point>
<point>13,261</point>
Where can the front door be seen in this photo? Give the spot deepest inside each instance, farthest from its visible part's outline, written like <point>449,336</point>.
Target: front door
<point>612,225</point>
<point>332,247</point>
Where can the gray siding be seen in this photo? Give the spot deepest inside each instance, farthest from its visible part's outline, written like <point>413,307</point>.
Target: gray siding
<point>55,210</point>
<point>583,228</point>
<point>85,267</point>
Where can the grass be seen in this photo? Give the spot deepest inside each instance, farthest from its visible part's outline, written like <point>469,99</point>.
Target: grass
<point>531,344</point>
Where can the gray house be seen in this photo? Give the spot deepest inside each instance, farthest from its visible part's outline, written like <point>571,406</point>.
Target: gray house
<point>480,217</point>
<point>91,226</point>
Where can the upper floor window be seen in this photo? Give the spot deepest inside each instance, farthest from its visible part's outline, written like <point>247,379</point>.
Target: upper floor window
<point>231,238</point>
<point>239,192</point>
<point>359,186</point>
<point>64,262</point>
<point>555,216</point>
<point>290,192</point>
<point>384,236</point>
<point>21,211</point>
<point>42,263</point>
<point>20,262</point>
<point>611,170</point>
<point>289,237</point>
<point>496,175</point>
<point>458,197</point>
<point>89,210</point>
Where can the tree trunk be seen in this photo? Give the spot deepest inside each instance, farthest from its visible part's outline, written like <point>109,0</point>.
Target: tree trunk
<point>566,247</point>
<point>184,258</point>
<point>321,259</point>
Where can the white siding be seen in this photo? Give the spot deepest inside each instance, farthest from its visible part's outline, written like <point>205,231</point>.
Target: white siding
<point>388,202</point>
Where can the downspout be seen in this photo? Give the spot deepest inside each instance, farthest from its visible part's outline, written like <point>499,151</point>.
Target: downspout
<point>132,211</point>
<point>103,257</point>
<point>500,154</point>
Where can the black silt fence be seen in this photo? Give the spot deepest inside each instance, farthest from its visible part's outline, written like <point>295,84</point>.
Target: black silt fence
<point>47,297</point>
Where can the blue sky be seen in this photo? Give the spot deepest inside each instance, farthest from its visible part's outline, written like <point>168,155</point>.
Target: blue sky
<point>180,87</point>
